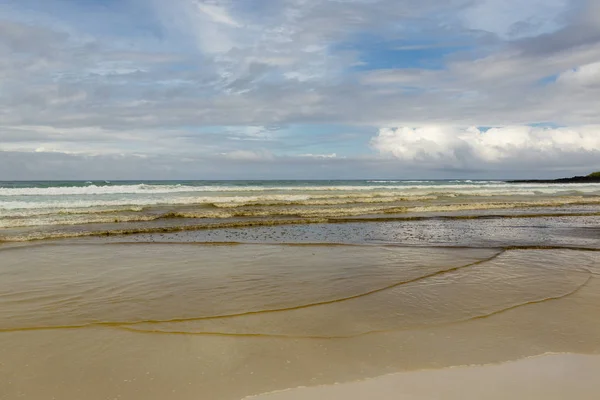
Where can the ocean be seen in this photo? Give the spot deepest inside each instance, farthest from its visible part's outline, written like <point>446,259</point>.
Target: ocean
<point>230,289</point>
<point>42,210</point>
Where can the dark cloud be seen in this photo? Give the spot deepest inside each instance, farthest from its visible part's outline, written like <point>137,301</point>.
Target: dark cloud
<point>582,29</point>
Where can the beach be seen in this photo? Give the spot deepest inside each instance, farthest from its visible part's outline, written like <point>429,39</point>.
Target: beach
<point>550,377</point>
<point>299,200</point>
<point>229,290</point>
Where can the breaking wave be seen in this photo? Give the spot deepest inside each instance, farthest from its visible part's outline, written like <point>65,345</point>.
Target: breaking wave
<point>39,210</point>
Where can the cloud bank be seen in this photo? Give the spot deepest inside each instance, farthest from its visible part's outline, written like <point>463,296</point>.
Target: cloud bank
<point>504,147</point>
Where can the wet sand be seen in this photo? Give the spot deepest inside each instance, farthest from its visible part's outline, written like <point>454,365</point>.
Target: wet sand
<point>550,377</point>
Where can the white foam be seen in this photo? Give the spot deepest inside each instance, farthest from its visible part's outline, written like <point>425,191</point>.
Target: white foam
<point>147,195</point>
<point>166,189</point>
<point>65,204</point>
<point>72,205</point>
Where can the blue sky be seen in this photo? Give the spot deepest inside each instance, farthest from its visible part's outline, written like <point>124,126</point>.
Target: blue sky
<point>298,88</point>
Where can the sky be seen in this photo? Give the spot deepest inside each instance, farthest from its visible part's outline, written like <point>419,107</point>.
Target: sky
<point>298,89</point>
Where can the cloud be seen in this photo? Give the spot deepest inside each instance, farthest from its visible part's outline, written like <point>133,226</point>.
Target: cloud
<point>583,76</point>
<point>54,165</point>
<point>317,156</point>
<point>217,14</point>
<point>516,18</point>
<point>505,147</point>
<point>288,62</point>
<point>209,78</point>
<point>248,155</point>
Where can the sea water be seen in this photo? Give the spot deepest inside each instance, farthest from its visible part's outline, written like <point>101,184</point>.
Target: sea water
<point>38,210</point>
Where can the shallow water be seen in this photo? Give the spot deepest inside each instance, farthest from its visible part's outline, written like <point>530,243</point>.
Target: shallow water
<point>122,320</point>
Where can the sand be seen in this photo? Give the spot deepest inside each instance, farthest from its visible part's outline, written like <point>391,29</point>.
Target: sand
<point>98,320</point>
<point>548,377</point>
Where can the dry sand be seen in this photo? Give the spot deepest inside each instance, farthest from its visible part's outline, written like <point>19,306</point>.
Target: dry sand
<point>548,377</point>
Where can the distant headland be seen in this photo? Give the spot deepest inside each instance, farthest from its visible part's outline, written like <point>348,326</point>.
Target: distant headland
<point>594,177</point>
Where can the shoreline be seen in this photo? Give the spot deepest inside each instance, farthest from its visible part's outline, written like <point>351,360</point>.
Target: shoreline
<point>550,376</point>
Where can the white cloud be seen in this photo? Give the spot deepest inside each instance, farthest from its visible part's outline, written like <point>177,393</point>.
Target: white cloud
<point>211,25</point>
<point>310,155</point>
<point>439,146</point>
<point>585,75</point>
<point>248,155</point>
<point>217,14</point>
<point>515,18</point>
